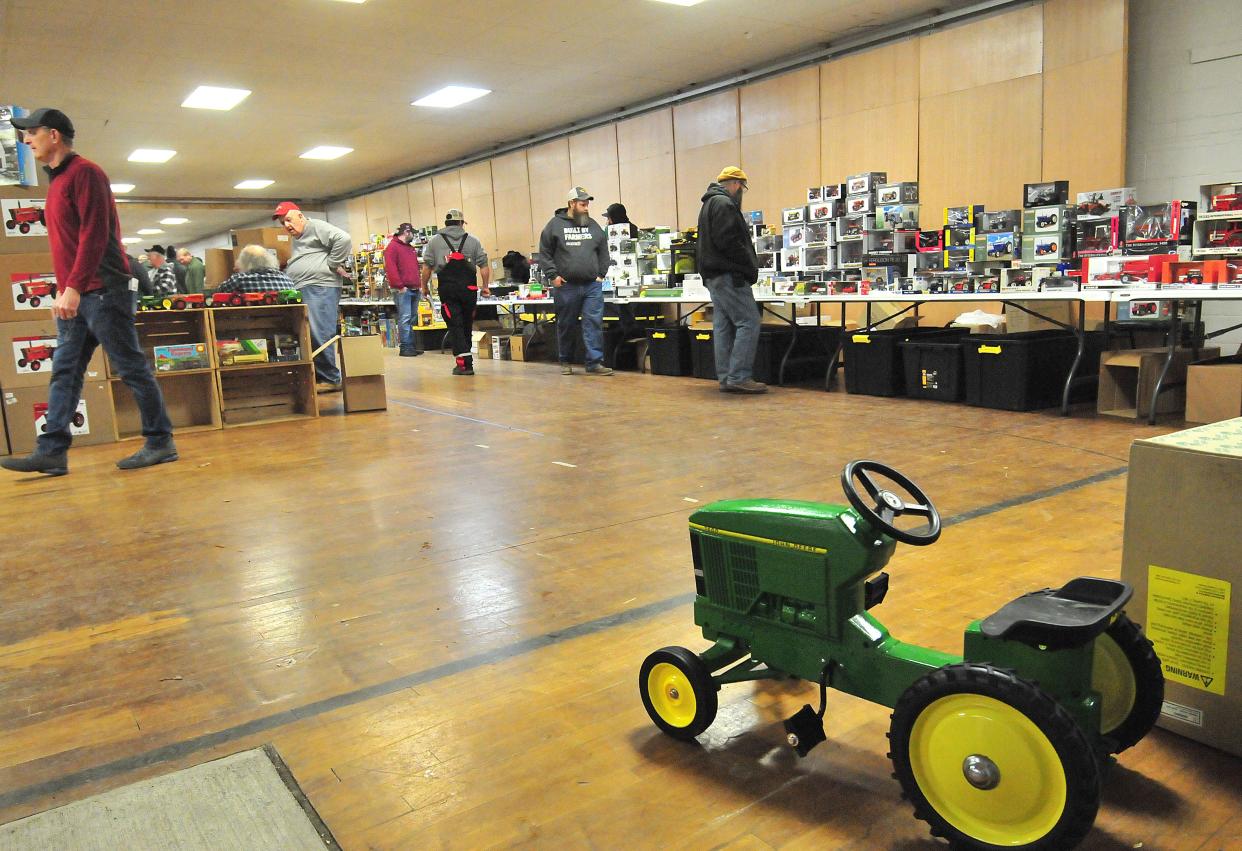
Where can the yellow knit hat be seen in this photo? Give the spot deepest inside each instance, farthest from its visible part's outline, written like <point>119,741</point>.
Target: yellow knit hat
<point>731,173</point>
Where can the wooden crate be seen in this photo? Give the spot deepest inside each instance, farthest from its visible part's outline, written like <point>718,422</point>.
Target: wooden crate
<point>191,398</point>
<point>168,328</point>
<point>252,323</point>
<point>267,392</point>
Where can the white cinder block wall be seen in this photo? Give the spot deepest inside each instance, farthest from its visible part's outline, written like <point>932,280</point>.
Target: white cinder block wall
<point>1185,108</point>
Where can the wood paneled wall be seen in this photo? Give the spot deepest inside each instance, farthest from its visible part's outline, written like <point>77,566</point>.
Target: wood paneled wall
<point>972,112</point>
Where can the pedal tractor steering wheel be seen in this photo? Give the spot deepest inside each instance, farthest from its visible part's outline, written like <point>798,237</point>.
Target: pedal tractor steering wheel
<point>889,505</point>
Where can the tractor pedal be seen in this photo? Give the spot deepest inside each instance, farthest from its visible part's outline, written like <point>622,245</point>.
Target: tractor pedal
<point>804,730</point>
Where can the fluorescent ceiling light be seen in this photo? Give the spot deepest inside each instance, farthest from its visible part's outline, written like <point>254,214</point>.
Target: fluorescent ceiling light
<point>326,152</point>
<point>149,231</point>
<point>122,188</point>
<point>451,96</point>
<point>130,240</point>
<point>351,1</point>
<point>173,220</point>
<point>681,2</point>
<point>151,155</point>
<point>214,97</point>
<point>254,184</point>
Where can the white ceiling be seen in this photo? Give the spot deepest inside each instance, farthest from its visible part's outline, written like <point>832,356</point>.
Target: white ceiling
<point>335,73</point>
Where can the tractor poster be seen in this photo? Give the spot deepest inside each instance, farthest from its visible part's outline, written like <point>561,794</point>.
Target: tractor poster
<point>33,354</point>
<point>17,165</point>
<point>24,216</point>
<point>32,291</point>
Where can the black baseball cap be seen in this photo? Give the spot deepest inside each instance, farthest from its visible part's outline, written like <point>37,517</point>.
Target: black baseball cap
<point>404,227</point>
<point>52,119</point>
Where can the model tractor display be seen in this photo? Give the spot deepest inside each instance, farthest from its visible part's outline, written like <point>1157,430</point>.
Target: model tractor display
<point>1226,203</point>
<point>267,297</point>
<point>1228,237</point>
<point>1002,746</point>
<point>182,301</point>
<point>24,218</point>
<point>1044,248</point>
<point>35,354</point>
<point>36,288</point>
<point>1045,220</point>
<point>289,297</point>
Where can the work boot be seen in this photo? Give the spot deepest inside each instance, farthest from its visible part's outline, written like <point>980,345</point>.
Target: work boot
<point>598,369</point>
<point>326,387</point>
<point>566,369</point>
<point>465,365</point>
<point>38,462</point>
<point>410,353</point>
<point>747,386</point>
<point>149,456</point>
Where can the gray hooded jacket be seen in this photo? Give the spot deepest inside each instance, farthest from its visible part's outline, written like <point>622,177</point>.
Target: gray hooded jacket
<point>577,253</point>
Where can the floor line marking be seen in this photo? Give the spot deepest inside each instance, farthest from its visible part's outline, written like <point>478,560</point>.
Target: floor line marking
<point>466,418</point>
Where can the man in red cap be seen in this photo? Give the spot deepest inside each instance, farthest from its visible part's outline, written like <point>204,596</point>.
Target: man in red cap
<point>94,305</point>
<point>317,267</point>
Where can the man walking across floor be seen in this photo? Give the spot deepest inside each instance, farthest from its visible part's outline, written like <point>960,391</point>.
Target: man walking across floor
<point>317,267</point>
<point>94,305</point>
<point>727,262</point>
<point>405,280</point>
<point>195,271</point>
<point>574,252</point>
<point>460,266</point>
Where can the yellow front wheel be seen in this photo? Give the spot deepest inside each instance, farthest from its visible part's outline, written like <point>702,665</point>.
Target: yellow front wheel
<point>991,761</point>
<point>678,692</point>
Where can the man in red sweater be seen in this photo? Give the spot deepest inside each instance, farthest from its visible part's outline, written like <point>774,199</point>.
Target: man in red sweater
<point>93,306</point>
<point>405,280</point>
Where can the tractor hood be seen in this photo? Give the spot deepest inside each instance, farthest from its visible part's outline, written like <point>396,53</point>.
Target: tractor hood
<point>777,521</point>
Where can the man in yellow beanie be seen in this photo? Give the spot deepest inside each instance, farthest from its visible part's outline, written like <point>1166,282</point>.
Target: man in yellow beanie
<point>727,262</point>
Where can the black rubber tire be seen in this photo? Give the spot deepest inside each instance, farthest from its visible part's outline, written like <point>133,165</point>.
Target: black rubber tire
<point>1148,684</point>
<point>1078,761</point>
<point>701,684</point>
<point>24,227</point>
<point>36,365</point>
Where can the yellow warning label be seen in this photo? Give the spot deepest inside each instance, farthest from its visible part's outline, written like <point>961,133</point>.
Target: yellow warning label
<point>1188,621</point>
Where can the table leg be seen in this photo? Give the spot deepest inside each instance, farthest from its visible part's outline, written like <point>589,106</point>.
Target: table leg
<point>1175,331</point>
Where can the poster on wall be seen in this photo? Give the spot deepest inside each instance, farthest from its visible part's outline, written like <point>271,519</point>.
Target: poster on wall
<point>23,216</point>
<point>17,164</point>
<point>32,290</point>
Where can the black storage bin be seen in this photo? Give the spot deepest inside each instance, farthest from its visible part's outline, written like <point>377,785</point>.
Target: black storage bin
<point>933,369</point>
<point>1025,371</point>
<point>669,350</point>
<point>873,364</point>
<point>702,353</point>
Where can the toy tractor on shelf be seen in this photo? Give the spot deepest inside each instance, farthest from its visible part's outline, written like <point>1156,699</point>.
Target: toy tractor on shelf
<point>1001,747</point>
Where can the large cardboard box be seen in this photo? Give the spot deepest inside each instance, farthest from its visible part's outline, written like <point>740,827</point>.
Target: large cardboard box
<point>1183,555</point>
<point>362,355</point>
<point>481,344</point>
<point>275,238</point>
<point>1128,380</point>
<point>25,411</point>
<point>517,347</point>
<point>26,350</point>
<point>217,265</point>
<point>364,393</point>
<point>27,287</point>
<point>1214,390</point>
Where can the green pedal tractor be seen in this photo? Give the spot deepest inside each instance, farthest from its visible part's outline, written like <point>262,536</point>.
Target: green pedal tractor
<point>1002,747</point>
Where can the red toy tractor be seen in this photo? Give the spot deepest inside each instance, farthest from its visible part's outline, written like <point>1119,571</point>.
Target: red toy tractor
<point>36,288</point>
<point>244,299</point>
<point>35,354</point>
<point>183,301</point>
<point>23,218</point>
<point>1226,203</point>
<point>1228,237</point>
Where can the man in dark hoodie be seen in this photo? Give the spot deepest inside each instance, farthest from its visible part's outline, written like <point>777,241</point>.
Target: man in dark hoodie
<point>727,262</point>
<point>574,252</point>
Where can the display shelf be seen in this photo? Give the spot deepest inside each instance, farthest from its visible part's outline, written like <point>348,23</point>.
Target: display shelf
<point>240,367</point>
<point>277,393</point>
<point>190,399</point>
<point>167,328</point>
<point>261,322</point>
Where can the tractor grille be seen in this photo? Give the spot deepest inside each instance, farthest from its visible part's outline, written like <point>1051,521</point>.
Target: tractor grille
<point>716,575</point>
<point>744,573</point>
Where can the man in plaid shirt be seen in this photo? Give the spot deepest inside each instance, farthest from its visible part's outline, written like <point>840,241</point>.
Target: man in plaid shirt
<point>257,273</point>
<point>163,276</point>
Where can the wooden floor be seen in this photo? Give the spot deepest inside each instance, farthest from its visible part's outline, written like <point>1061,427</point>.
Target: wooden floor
<point>437,613</point>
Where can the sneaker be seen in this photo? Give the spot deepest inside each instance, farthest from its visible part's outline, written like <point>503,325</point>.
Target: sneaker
<point>38,462</point>
<point>747,386</point>
<point>149,456</point>
<point>463,370</point>
<point>598,369</point>
<point>566,369</point>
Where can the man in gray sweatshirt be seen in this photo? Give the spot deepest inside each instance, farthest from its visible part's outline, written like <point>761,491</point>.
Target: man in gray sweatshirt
<point>573,251</point>
<point>317,267</point>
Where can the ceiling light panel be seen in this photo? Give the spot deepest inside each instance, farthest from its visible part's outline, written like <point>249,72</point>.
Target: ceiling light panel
<point>122,188</point>
<point>173,220</point>
<point>151,155</point>
<point>326,152</point>
<point>148,231</point>
<point>214,97</point>
<point>451,96</point>
<point>254,184</point>
<point>131,240</point>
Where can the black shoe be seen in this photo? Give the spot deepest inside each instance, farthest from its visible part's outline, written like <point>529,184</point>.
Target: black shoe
<point>37,462</point>
<point>149,456</point>
<point>410,353</point>
<point>463,370</point>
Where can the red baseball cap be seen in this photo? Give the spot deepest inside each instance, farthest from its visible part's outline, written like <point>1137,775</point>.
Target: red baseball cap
<point>283,209</point>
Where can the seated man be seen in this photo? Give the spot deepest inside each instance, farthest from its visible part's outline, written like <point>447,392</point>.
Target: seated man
<point>256,273</point>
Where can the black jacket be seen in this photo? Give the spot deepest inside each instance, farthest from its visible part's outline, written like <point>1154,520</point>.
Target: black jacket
<point>724,239</point>
<point>139,271</point>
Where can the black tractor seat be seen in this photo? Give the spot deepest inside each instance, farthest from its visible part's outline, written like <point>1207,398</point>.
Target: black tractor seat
<point>1069,616</point>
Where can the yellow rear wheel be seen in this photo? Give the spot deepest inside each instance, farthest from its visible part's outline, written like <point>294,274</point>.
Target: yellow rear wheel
<point>991,761</point>
<point>678,692</point>
<point>1130,681</point>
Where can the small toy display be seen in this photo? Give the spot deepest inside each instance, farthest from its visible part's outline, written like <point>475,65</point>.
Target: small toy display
<point>1225,236</point>
<point>1002,746</point>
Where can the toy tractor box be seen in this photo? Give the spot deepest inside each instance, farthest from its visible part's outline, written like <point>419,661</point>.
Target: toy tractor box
<point>241,352</point>
<point>26,352</point>
<point>25,410</point>
<point>27,287</point>
<point>181,356</point>
<point>1184,563</point>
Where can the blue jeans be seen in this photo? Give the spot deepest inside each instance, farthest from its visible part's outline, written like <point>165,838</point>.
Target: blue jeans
<point>406,301</point>
<point>587,301</point>
<point>323,308</point>
<point>735,329</point>
<point>105,318</point>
